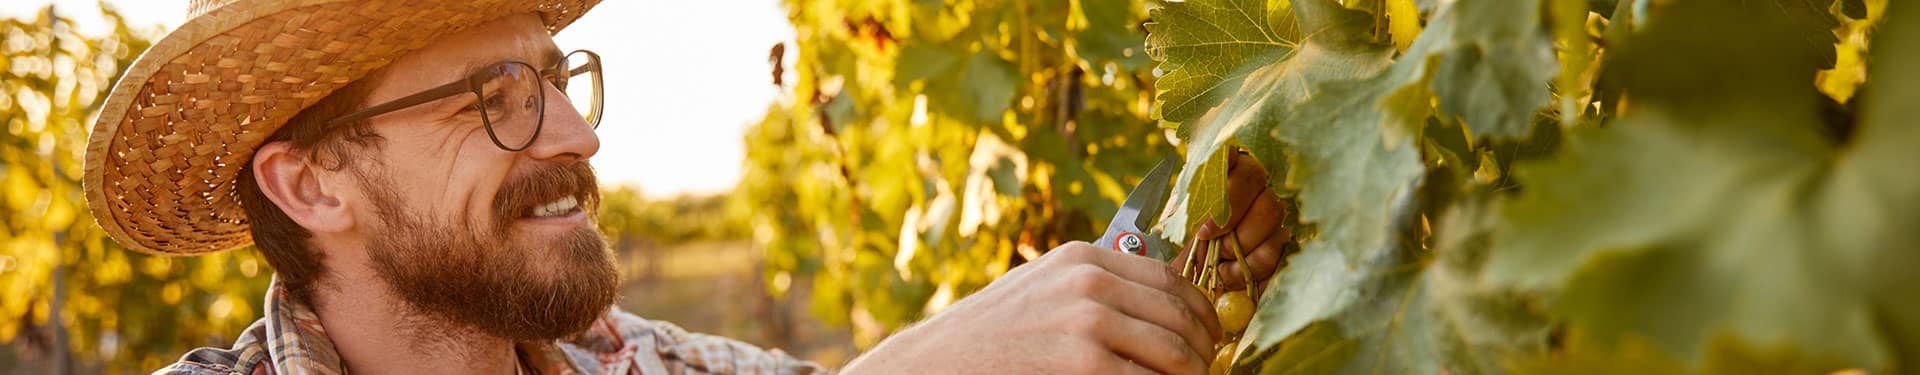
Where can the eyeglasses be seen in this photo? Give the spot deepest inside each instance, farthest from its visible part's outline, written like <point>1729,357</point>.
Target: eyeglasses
<point>510,98</point>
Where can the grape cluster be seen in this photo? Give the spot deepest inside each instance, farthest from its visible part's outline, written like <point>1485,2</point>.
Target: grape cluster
<point>1234,308</point>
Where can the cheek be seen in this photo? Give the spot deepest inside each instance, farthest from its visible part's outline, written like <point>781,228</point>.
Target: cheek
<point>456,177</point>
<point>468,183</point>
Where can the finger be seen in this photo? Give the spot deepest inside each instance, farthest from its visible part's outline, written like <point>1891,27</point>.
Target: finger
<point>1145,343</point>
<point>1245,181</point>
<point>1260,222</point>
<point>1131,368</point>
<point>1263,261</point>
<point>1157,277</point>
<point>1210,230</point>
<point>1179,262</point>
<point>1163,309</point>
<point>1110,363</point>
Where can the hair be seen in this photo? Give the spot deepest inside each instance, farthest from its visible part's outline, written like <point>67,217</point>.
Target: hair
<point>286,245</point>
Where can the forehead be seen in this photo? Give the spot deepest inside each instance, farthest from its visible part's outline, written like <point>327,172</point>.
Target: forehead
<point>452,56</point>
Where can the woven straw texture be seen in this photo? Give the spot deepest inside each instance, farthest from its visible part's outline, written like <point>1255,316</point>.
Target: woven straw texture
<point>189,113</point>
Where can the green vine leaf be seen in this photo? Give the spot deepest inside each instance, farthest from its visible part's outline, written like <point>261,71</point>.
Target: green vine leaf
<point>1207,199</point>
<point>1207,48</point>
<point>1403,310</point>
<point>974,86</point>
<point>1718,208</point>
<point>1327,315</point>
<point>1108,33</point>
<point>1339,47</point>
<point>1494,59</point>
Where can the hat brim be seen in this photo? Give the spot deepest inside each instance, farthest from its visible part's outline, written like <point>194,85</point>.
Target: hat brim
<point>187,116</point>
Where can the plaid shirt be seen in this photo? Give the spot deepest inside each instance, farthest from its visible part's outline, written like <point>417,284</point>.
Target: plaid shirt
<point>291,340</point>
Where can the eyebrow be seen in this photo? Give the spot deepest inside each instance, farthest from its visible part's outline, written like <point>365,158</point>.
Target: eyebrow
<point>550,52</point>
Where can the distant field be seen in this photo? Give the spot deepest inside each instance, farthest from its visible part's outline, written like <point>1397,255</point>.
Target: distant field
<point>714,287</point>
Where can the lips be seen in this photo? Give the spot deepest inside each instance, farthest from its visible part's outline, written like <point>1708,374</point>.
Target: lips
<point>550,190</point>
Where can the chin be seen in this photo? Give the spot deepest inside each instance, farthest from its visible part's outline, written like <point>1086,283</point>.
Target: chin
<point>568,253</point>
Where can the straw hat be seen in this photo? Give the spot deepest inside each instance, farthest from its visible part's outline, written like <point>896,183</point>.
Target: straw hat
<point>190,112</point>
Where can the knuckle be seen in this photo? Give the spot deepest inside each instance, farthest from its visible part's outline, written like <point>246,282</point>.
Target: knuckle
<point>1091,320</point>
<point>1180,358</point>
<point>1080,248</point>
<point>1091,358</point>
<point>1087,279</point>
<point>1188,319</point>
<point>1092,364</point>
<point>1230,272</point>
<point>1170,276</point>
<point>1179,354</point>
<point>1070,253</point>
<point>1165,279</point>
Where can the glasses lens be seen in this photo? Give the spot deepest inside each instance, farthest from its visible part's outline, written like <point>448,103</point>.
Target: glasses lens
<point>510,94</point>
<point>582,84</point>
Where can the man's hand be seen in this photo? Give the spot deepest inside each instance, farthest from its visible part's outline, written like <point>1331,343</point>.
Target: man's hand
<point>1078,309</point>
<point>1254,221</point>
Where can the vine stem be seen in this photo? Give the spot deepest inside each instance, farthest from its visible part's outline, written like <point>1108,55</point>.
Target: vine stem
<point>1246,273</point>
<point>1212,268</point>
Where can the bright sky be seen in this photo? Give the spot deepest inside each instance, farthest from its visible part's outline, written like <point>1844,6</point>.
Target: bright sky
<point>684,80</point>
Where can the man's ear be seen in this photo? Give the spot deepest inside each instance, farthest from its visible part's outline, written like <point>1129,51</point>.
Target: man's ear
<point>294,182</point>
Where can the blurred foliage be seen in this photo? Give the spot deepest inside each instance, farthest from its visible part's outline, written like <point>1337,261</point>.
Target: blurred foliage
<point>632,220</point>
<point>62,281</point>
<point>924,147</point>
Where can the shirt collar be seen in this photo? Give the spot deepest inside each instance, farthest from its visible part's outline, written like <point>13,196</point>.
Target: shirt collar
<point>297,342</point>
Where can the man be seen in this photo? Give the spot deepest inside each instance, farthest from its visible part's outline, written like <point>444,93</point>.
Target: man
<point>415,173</point>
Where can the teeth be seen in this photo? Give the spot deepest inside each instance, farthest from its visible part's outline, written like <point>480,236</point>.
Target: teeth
<point>555,208</point>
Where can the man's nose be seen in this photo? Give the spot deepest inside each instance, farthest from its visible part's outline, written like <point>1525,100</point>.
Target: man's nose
<point>565,134</point>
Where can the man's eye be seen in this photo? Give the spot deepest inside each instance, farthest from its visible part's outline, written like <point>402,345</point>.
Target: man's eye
<point>495,101</point>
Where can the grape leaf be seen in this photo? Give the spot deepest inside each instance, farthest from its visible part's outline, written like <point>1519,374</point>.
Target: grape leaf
<point>969,84</point>
<point>1326,315</point>
<point>1717,208</point>
<point>1495,58</point>
<point>1359,291</point>
<point>1206,48</point>
<point>1402,310</point>
<point>1636,356</point>
<point>1352,150</point>
<point>1108,34</point>
<point>1814,22</point>
<point>1339,48</point>
<point>1379,317</point>
<point>1354,300</point>
<point>1207,199</point>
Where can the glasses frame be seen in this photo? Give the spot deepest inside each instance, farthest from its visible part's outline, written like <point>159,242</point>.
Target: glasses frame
<point>474,83</point>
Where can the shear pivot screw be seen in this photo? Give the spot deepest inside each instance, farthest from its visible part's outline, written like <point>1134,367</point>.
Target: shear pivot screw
<point>1130,243</point>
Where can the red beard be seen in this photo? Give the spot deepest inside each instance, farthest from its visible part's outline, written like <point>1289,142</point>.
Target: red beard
<point>494,281</point>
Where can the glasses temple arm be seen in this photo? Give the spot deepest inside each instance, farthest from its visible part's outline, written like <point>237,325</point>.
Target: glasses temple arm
<point>449,89</point>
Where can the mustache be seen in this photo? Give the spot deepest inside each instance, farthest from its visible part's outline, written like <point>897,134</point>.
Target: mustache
<point>546,183</point>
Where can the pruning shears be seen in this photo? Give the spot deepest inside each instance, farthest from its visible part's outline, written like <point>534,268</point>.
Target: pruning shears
<point>1133,229</point>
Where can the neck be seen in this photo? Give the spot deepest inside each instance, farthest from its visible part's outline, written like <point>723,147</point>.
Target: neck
<point>376,332</point>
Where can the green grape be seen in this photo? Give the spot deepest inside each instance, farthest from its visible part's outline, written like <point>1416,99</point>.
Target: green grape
<point>1223,359</point>
<point>1235,309</point>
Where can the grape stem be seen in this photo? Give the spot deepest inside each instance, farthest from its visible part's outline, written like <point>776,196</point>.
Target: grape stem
<point>1245,272</point>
